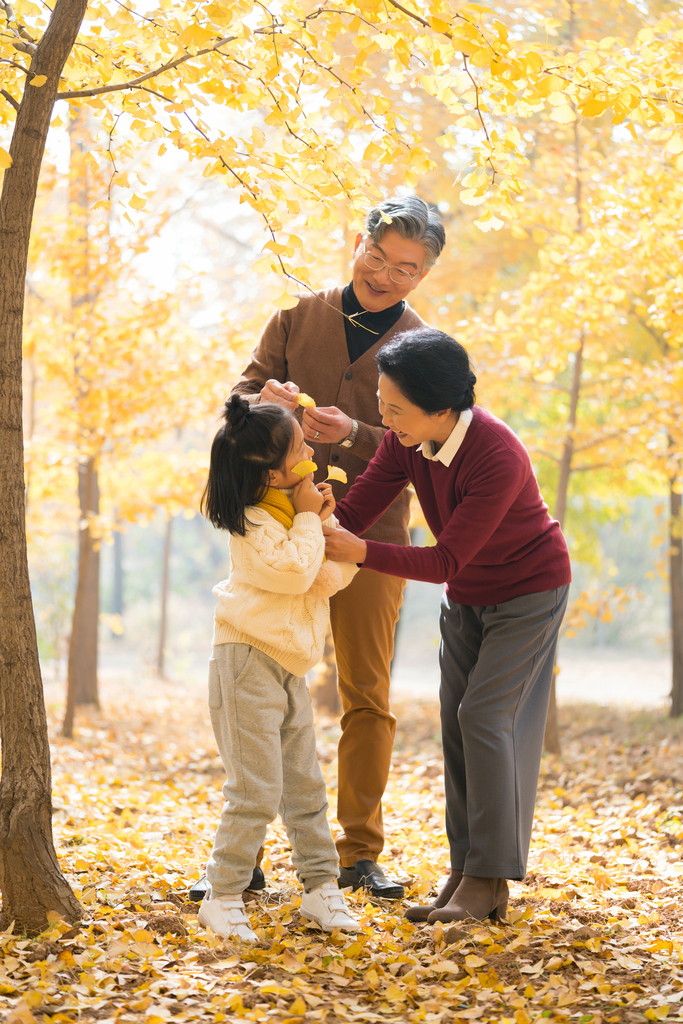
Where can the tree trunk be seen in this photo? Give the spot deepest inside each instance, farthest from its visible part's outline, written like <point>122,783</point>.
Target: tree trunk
<point>326,690</point>
<point>676,584</point>
<point>551,740</point>
<point>117,601</point>
<point>165,572</point>
<point>82,687</point>
<point>30,877</point>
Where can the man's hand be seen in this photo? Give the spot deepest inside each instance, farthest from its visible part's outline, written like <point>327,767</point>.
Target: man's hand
<point>282,394</point>
<point>326,424</point>
<point>329,504</point>
<point>342,546</point>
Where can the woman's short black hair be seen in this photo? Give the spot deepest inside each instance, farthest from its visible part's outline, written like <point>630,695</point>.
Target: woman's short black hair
<point>254,440</point>
<point>430,368</point>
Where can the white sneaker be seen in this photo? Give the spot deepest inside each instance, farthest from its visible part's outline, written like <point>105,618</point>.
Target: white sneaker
<point>226,916</point>
<point>326,906</point>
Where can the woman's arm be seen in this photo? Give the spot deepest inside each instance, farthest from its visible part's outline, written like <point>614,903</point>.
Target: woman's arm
<point>373,491</point>
<point>472,524</point>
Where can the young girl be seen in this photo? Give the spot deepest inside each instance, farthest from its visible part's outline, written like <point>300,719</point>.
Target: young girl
<point>269,630</point>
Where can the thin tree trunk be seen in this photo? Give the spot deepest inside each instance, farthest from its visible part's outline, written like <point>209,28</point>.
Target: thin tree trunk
<point>551,740</point>
<point>82,674</point>
<point>31,880</point>
<point>82,685</point>
<point>676,585</point>
<point>117,601</point>
<point>165,573</point>
<point>326,690</point>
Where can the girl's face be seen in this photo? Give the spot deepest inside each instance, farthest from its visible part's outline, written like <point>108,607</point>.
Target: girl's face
<point>299,452</point>
<point>411,424</point>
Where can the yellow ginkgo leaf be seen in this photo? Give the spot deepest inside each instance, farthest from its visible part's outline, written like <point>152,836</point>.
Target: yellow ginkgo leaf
<point>336,473</point>
<point>38,80</point>
<point>306,401</point>
<point>5,159</point>
<point>137,202</point>
<point>286,301</point>
<point>304,468</point>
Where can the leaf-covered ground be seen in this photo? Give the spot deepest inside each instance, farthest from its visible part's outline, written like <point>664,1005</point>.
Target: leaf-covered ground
<point>594,933</point>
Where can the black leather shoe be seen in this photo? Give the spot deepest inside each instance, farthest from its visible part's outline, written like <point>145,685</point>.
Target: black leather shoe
<point>367,874</point>
<point>198,890</point>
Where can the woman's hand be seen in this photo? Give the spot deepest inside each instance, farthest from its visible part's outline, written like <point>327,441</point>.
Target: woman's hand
<point>326,425</point>
<point>329,504</point>
<point>306,497</point>
<point>282,394</point>
<point>342,546</point>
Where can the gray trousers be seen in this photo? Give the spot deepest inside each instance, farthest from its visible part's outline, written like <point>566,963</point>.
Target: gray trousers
<point>496,670</point>
<point>263,723</point>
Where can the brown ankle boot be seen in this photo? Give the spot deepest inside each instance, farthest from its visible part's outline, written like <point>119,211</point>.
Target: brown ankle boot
<point>475,899</point>
<point>422,912</point>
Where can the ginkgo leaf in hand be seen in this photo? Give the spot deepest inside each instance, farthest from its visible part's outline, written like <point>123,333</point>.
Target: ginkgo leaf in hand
<point>304,468</point>
<point>306,401</point>
<point>336,473</point>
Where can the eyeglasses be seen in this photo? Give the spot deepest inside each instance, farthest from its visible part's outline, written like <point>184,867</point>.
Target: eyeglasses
<point>396,274</point>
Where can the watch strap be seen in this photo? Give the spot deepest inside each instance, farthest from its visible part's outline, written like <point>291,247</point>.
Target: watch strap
<point>349,441</point>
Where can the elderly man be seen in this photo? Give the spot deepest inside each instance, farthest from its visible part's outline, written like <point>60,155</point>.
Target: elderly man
<point>325,347</point>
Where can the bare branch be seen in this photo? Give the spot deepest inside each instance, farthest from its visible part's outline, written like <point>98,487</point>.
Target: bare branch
<point>600,440</point>
<point>135,82</point>
<point>600,465</point>
<point>9,98</point>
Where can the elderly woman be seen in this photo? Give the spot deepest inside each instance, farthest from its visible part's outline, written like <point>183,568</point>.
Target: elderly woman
<point>506,568</point>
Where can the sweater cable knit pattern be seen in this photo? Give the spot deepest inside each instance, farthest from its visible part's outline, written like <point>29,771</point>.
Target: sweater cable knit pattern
<point>276,597</point>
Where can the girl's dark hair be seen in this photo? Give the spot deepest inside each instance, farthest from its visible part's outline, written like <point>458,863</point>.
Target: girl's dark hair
<point>254,440</point>
<point>430,368</point>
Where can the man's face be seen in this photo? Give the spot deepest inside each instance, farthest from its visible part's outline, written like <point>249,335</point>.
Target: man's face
<point>374,288</point>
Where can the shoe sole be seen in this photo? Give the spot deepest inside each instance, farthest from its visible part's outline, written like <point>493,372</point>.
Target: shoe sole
<point>234,938</point>
<point>395,893</point>
<point>313,922</point>
<point>418,914</point>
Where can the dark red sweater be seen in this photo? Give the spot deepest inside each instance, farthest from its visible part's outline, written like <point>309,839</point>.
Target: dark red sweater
<point>494,537</point>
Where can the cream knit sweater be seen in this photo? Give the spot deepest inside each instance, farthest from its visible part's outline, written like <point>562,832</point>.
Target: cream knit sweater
<point>277,595</point>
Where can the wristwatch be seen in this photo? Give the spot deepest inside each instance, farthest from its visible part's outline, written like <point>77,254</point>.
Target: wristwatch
<point>349,441</point>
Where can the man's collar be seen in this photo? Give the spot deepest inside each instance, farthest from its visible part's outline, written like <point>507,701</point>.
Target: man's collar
<point>448,449</point>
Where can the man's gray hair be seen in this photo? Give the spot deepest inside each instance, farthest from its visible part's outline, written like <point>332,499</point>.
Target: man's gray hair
<point>412,218</point>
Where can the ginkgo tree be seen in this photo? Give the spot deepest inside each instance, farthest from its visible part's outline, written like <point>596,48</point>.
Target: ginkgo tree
<point>188,74</point>
<point>118,369</point>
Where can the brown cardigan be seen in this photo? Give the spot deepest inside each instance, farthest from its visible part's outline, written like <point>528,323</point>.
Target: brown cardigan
<point>307,345</point>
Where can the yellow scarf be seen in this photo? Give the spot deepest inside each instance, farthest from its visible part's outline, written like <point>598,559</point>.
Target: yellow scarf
<point>277,504</point>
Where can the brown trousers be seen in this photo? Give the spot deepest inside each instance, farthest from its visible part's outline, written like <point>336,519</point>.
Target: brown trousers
<point>363,618</point>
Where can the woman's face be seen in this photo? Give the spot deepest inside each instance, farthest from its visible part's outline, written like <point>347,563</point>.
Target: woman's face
<point>411,424</point>
<point>298,452</point>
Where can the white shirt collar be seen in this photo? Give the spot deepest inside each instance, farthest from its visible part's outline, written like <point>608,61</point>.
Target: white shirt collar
<point>448,449</point>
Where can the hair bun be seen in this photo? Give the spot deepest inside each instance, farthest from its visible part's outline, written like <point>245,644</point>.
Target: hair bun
<point>236,412</point>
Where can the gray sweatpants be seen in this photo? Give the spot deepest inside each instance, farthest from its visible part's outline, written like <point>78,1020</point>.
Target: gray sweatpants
<point>496,670</point>
<point>263,723</point>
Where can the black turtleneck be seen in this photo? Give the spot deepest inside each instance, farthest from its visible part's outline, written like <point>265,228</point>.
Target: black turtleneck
<point>359,339</point>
